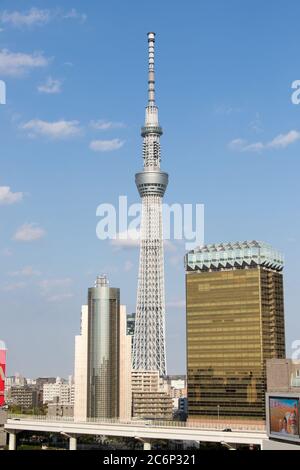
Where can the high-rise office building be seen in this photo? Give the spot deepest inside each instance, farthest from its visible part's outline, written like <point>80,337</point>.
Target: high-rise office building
<point>103,350</point>
<point>103,357</point>
<point>235,322</point>
<point>149,349</point>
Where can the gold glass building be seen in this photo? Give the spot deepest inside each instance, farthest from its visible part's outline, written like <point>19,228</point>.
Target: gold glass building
<point>235,322</point>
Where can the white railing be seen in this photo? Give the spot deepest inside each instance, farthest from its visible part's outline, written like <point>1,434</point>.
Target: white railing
<point>152,423</point>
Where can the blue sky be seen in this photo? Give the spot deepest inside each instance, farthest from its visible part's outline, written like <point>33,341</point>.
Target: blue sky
<point>231,141</point>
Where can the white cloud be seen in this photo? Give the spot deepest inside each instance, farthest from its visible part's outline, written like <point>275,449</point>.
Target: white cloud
<point>106,145</point>
<point>54,130</point>
<point>226,110</point>
<point>48,284</point>
<point>8,197</point>
<point>131,239</point>
<point>6,252</point>
<point>237,144</point>
<point>29,232</point>
<point>38,17</point>
<point>15,64</point>
<point>280,141</point>
<point>13,286</point>
<point>60,297</point>
<point>103,125</point>
<point>56,290</point>
<point>27,271</point>
<point>128,239</point>
<point>283,140</point>
<point>256,125</point>
<point>128,266</point>
<point>73,14</point>
<point>18,19</point>
<point>51,86</point>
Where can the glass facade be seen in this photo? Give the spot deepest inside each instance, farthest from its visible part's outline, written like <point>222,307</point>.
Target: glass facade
<point>235,322</point>
<point>103,351</point>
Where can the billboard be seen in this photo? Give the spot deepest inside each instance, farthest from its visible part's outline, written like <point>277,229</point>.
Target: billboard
<point>284,417</point>
<point>2,372</point>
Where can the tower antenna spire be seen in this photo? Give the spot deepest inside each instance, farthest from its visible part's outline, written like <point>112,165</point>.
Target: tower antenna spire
<point>151,74</point>
<point>149,344</point>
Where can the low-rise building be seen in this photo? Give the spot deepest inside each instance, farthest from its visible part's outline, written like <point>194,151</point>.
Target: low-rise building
<point>60,390</point>
<point>152,405</point>
<point>150,397</point>
<point>56,409</point>
<point>145,380</point>
<point>23,396</point>
<point>283,375</point>
<point>41,381</point>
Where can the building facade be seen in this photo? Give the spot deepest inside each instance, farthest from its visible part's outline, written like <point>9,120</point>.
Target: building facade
<point>235,323</point>
<point>60,392</point>
<point>125,368</point>
<point>152,405</point>
<point>55,409</point>
<point>149,348</point>
<point>23,397</point>
<point>41,381</point>
<point>150,397</point>
<point>130,324</point>
<point>283,375</point>
<point>81,367</point>
<point>3,434</point>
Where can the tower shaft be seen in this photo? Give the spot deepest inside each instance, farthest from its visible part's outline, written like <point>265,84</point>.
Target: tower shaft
<point>149,349</point>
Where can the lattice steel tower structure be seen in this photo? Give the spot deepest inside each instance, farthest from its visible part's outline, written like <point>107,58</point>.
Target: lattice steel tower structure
<point>149,346</point>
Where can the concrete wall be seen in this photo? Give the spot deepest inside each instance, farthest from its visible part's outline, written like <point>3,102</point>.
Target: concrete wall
<point>270,444</point>
<point>281,373</point>
<point>125,398</point>
<point>3,435</point>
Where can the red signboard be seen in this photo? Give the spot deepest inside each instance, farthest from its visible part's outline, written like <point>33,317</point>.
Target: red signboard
<point>2,375</point>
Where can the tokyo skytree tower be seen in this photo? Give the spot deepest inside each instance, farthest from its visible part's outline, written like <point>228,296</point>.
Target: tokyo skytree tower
<point>149,345</point>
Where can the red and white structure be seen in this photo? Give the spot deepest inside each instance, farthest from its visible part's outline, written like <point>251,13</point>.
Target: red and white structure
<point>2,371</point>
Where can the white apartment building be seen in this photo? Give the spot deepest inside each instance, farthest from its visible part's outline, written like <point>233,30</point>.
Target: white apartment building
<point>59,391</point>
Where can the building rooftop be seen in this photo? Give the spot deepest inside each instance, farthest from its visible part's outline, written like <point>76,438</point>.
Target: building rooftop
<point>239,255</point>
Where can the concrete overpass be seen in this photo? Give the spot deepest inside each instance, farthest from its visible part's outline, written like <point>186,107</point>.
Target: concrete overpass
<point>145,431</point>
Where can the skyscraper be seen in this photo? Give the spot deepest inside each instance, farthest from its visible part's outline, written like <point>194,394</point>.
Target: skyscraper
<point>103,357</point>
<point>149,349</point>
<point>235,322</point>
<point>103,350</point>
